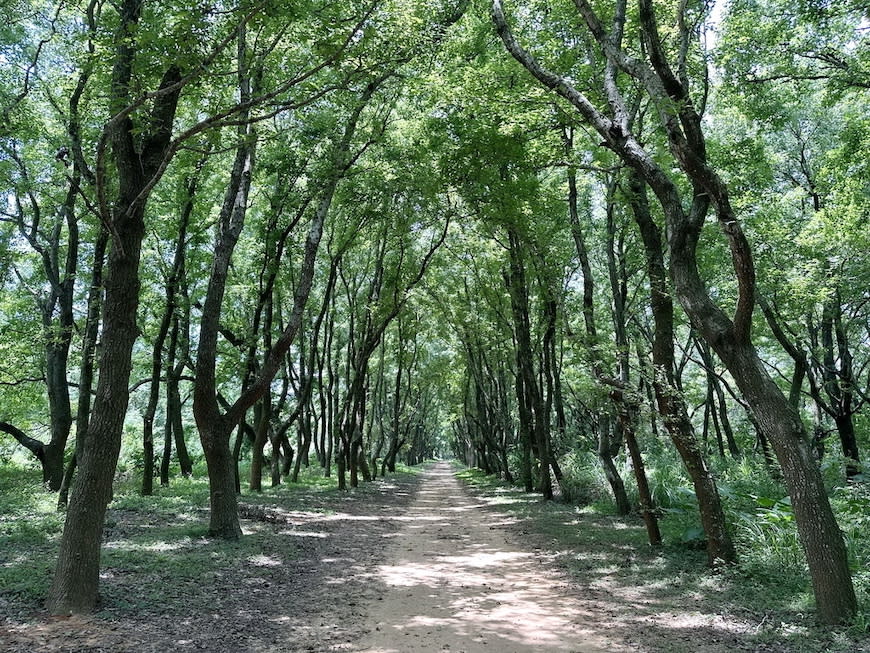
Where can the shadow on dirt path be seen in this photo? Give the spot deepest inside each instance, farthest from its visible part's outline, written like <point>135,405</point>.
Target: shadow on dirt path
<point>414,563</point>
<point>455,580</point>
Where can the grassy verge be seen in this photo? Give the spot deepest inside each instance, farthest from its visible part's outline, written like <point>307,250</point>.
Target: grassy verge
<point>156,555</point>
<point>768,589</point>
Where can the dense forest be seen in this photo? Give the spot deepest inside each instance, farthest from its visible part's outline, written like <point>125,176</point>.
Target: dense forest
<point>615,253</point>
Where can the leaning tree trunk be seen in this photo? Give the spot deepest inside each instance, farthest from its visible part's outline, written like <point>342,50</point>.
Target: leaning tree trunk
<point>729,338</point>
<point>618,393</point>
<point>605,457</point>
<point>74,588</point>
<point>669,399</point>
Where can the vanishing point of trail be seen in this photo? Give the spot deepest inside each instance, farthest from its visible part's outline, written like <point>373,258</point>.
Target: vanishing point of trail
<point>456,581</point>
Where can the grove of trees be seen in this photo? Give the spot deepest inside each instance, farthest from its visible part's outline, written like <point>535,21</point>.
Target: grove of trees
<point>341,235</point>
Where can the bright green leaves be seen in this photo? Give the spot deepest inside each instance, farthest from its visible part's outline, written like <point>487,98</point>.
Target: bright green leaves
<point>785,40</point>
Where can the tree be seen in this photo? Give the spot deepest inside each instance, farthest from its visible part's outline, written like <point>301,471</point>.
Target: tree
<point>137,162</point>
<point>804,201</point>
<point>782,41</point>
<point>47,218</point>
<point>661,70</point>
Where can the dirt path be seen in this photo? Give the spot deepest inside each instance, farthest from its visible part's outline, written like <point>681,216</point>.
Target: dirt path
<point>407,564</point>
<point>456,581</point>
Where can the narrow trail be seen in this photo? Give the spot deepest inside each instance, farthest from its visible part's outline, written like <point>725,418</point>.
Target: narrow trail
<point>456,581</point>
<point>406,564</point>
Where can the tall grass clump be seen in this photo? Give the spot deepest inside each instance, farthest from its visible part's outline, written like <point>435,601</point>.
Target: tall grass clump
<point>583,481</point>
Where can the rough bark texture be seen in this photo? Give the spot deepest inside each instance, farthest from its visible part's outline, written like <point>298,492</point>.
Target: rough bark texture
<point>669,400</point>
<point>730,338</point>
<point>74,588</point>
<point>214,429</point>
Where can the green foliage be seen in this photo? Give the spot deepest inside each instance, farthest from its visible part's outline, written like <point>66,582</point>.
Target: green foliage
<point>783,41</point>
<point>761,520</point>
<point>584,483</point>
<point>458,132</point>
<point>852,506</point>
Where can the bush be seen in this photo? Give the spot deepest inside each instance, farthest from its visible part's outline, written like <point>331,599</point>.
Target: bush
<point>583,481</point>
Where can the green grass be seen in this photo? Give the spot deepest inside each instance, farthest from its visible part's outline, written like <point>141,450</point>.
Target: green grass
<point>768,586</point>
<point>156,554</point>
<point>30,527</point>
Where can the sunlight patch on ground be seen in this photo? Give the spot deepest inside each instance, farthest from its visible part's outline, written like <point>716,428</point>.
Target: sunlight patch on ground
<point>156,547</point>
<point>297,533</point>
<point>504,501</point>
<point>262,560</point>
<point>455,583</point>
<point>487,559</point>
<point>415,518</point>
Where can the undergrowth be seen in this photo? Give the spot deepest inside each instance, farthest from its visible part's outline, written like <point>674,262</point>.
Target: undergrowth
<point>770,581</point>
<point>156,553</point>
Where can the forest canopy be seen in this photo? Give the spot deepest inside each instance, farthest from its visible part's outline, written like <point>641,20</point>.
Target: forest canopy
<point>557,241</point>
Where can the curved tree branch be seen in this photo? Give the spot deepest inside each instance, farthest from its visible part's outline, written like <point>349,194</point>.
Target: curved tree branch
<point>36,447</point>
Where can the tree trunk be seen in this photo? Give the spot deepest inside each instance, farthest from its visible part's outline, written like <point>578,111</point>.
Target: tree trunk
<point>74,588</point>
<point>605,456</point>
<point>262,420</point>
<point>223,500</point>
<point>669,400</point>
<point>626,406</point>
<point>838,378</point>
<point>153,397</point>
<point>526,384</point>
<point>86,375</point>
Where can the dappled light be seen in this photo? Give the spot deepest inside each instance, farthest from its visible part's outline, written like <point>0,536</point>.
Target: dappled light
<point>403,326</point>
<point>432,567</point>
<point>457,582</point>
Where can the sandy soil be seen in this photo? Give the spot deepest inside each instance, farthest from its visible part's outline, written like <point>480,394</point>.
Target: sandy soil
<point>456,581</point>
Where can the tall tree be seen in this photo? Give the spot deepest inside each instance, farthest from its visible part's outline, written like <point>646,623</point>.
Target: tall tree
<point>140,144</point>
<point>661,70</point>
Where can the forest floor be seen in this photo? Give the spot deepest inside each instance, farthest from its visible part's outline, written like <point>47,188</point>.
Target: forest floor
<point>409,564</point>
